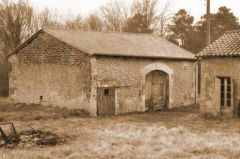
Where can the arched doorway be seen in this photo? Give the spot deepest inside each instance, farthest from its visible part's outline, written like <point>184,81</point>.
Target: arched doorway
<point>156,90</point>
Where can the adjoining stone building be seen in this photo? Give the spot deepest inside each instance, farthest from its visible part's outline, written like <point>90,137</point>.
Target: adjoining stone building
<point>220,75</point>
<point>103,73</point>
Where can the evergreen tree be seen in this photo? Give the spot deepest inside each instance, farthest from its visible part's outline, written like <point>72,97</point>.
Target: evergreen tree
<point>181,27</point>
<point>193,37</point>
<point>224,20</point>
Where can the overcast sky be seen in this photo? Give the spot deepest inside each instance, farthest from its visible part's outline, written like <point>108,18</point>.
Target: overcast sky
<point>84,7</point>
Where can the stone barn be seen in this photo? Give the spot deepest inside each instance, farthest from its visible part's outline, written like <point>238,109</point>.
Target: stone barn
<point>101,72</point>
<point>220,75</point>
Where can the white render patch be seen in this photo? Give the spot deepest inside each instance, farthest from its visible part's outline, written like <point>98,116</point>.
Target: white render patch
<point>156,66</point>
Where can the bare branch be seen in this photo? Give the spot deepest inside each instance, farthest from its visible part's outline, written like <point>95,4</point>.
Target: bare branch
<point>114,15</point>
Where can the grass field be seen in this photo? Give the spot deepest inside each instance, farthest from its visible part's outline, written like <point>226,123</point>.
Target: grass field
<point>180,133</point>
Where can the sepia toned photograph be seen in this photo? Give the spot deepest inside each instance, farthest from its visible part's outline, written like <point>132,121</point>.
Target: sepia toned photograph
<point>119,79</point>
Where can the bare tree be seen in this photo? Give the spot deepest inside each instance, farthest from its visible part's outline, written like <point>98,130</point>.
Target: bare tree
<point>48,18</point>
<point>148,8</point>
<point>163,20</point>
<point>153,18</point>
<point>94,22</point>
<point>43,19</point>
<point>15,26</point>
<point>114,15</point>
<point>15,23</point>
<point>74,22</point>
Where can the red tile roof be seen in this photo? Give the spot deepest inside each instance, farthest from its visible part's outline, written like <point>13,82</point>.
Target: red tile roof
<point>226,45</point>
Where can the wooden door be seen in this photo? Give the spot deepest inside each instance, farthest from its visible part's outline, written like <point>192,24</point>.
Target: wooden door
<point>158,90</point>
<point>106,101</point>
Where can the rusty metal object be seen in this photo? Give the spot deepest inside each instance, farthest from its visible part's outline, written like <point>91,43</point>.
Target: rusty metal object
<point>3,136</point>
<point>8,134</point>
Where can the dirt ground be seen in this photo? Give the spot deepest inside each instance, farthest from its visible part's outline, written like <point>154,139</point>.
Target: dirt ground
<point>179,133</point>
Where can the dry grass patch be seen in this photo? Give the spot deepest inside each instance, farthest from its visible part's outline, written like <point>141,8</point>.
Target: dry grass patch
<point>24,112</point>
<point>174,134</point>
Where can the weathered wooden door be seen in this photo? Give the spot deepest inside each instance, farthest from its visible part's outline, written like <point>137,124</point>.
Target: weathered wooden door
<point>106,101</point>
<point>158,90</point>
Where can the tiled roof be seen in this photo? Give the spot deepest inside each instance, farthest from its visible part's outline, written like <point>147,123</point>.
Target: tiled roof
<point>119,44</point>
<point>226,45</point>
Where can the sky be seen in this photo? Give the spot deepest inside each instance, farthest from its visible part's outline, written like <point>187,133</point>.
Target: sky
<point>83,7</point>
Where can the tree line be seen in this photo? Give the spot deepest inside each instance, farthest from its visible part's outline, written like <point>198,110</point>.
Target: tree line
<point>19,20</point>
<point>193,36</point>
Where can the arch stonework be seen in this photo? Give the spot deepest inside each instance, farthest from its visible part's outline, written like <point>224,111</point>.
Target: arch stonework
<point>160,67</point>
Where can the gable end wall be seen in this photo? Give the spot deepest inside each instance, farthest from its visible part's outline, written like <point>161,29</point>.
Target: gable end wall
<point>52,69</point>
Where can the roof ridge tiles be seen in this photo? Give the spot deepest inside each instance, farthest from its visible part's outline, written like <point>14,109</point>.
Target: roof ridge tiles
<point>98,31</point>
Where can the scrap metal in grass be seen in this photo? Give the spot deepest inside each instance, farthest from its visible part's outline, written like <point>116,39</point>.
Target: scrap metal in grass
<point>8,134</point>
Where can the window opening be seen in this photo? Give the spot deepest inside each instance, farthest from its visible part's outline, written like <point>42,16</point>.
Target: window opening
<point>226,96</point>
<point>108,92</point>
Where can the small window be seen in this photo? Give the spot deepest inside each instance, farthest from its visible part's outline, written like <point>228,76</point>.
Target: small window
<point>108,92</point>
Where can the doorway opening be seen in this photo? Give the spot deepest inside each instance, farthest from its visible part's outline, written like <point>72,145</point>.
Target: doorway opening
<point>106,101</point>
<point>157,90</point>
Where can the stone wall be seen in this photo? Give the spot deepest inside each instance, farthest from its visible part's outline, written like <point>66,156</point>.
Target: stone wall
<point>50,72</point>
<point>211,68</point>
<point>128,76</point>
